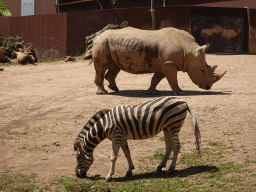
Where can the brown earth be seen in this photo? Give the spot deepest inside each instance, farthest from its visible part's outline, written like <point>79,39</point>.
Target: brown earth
<point>44,107</point>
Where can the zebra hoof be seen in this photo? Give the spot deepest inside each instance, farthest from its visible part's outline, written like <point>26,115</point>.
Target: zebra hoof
<point>159,169</point>
<point>108,178</point>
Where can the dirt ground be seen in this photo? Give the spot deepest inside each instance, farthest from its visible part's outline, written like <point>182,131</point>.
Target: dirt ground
<point>44,107</point>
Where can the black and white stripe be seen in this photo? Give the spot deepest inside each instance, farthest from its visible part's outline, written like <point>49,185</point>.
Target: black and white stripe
<point>136,122</point>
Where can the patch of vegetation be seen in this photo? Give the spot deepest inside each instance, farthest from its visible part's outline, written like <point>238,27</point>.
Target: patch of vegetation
<point>207,174</point>
<point>11,134</point>
<point>50,60</point>
<point>8,43</point>
<point>6,64</point>
<point>159,154</point>
<point>162,138</point>
<point>79,117</point>
<point>33,147</point>
<point>74,184</point>
<point>18,182</point>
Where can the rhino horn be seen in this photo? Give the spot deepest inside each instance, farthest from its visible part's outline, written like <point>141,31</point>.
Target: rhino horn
<point>212,68</point>
<point>218,76</point>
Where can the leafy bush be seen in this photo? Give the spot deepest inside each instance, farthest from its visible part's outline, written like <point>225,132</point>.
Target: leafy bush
<point>8,43</point>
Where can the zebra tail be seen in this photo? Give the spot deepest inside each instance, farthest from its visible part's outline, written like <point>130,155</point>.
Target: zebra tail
<point>196,131</point>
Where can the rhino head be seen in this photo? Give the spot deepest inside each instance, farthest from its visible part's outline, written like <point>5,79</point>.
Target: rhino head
<point>200,72</point>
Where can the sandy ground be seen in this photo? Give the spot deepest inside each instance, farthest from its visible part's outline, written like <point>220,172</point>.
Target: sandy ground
<point>44,107</point>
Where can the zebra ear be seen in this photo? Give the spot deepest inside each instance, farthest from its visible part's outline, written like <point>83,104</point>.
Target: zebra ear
<point>77,145</point>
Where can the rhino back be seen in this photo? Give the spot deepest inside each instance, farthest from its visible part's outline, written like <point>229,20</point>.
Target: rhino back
<point>141,51</point>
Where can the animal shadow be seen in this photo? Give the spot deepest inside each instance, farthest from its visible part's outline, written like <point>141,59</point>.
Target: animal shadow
<point>193,170</point>
<point>176,173</point>
<point>143,93</point>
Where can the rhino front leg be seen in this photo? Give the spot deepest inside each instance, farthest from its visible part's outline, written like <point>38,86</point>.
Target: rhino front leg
<point>157,77</point>
<point>111,77</point>
<point>170,72</point>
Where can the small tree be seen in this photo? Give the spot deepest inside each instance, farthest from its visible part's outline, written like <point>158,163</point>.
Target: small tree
<point>4,11</point>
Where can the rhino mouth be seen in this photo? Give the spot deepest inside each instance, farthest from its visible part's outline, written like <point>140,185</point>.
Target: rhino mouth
<point>208,87</point>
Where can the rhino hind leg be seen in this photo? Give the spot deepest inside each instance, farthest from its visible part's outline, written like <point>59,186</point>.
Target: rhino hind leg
<point>111,78</point>
<point>157,77</point>
<point>99,79</point>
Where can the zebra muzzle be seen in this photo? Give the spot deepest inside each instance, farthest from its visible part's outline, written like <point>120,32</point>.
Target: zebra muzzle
<point>80,174</point>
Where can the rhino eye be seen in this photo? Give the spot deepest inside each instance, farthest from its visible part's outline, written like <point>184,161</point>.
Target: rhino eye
<point>202,70</point>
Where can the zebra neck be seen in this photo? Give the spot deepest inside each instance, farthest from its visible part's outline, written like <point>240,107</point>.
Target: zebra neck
<point>92,128</point>
<point>93,137</point>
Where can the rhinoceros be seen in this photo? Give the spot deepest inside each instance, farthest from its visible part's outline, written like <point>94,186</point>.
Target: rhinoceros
<point>162,52</point>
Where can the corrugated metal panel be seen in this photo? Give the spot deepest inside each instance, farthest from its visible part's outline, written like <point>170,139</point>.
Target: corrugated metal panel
<point>45,7</point>
<point>82,24</point>
<point>252,31</point>
<point>5,26</point>
<point>58,35</point>
<point>46,33</point>
<point>225,28</point>
<point>14,6</point>
<point>174,16</point>
<point>251,4</point>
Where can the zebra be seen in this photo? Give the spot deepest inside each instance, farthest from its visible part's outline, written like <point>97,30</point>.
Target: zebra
<point>137,122</point>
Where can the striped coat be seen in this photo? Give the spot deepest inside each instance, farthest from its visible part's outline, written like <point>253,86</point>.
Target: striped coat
<point>141,121</point>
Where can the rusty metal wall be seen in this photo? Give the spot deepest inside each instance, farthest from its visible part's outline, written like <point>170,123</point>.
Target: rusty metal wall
<point>225,28</point>
<point>58,35</point>
<point>42,7</point>
<point>251,4</point>
<point>5,26</point>
<point>46,33</point>
<point>252,31</point>
<point>136,17</point>
<point>45,7</point>
<point>14,6</point>
<point>174,16</point>
<point>82,24</point>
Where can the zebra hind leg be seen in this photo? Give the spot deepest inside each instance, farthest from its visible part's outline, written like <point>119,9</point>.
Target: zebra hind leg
<point>176,149</point>
<point>168,147</point>
<point>127,154</point>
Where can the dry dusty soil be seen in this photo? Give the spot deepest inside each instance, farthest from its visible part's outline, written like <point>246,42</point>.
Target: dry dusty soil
<point>44,107</point>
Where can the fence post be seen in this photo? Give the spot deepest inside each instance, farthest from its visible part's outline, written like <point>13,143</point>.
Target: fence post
<point>152,15</point>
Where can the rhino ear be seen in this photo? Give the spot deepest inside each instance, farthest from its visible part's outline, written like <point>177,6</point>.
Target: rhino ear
<point>203,49</point>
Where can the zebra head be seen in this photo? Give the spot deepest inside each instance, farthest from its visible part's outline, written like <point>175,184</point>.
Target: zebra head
<point>84,159</point>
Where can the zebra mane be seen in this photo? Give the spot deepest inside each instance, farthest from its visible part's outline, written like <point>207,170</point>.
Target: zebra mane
<point>94,119</point>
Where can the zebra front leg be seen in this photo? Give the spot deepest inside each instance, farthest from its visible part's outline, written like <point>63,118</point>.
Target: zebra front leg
<point>127,154</point>
<point>168,147</point>
<point>116,143</point>
<point>176,149</point>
